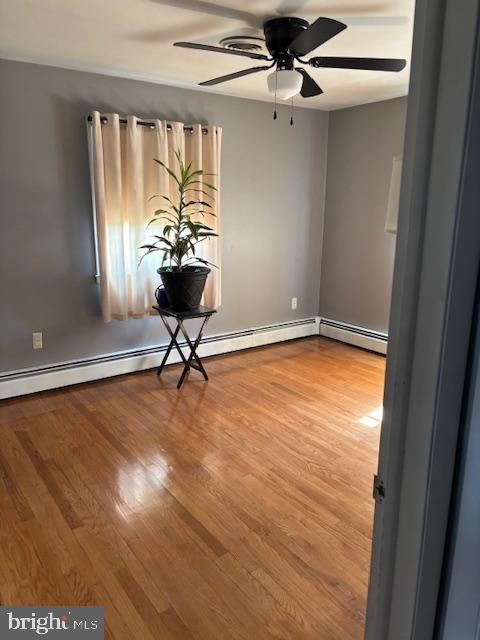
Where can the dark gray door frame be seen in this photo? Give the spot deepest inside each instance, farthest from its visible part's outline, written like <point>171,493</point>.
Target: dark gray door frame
<point>436,267</point>
<point>458,614</point>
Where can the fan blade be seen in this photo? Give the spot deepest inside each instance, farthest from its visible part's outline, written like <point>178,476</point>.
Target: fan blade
<point>316,34</point>
<point>309,87</point>
<point>204,7</point>
<point>369,64</point>
<point>208,47</point>
<point>232,76</point>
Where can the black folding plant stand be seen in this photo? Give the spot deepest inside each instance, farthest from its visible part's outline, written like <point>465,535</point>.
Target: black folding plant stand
<point>193,361</point>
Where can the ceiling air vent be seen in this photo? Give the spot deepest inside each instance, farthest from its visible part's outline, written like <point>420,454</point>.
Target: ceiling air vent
<point>244,43</point>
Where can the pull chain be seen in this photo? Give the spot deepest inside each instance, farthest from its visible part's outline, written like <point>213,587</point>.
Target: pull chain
<point>275,107</point>
<point>291,113</point>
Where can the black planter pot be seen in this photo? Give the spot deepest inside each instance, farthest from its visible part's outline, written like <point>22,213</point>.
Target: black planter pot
<point>184,288</point>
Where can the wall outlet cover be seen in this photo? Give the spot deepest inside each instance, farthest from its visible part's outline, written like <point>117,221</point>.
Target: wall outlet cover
<point>37,340</point>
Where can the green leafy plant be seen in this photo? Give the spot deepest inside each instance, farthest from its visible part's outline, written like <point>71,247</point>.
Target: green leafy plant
<point>182,231</point>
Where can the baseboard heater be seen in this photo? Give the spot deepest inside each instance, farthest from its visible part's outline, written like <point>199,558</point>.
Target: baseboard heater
<point>26,381</point>
<point>351,334</point>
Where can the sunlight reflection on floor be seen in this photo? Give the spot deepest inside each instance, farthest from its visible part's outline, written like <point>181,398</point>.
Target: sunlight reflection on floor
<point>373,419</point>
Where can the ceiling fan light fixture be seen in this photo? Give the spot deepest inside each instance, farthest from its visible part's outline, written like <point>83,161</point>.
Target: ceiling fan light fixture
<point>290,39</point>
<point>286,83</point>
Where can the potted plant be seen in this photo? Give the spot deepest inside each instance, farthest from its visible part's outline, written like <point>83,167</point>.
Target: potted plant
<point>183,273</point>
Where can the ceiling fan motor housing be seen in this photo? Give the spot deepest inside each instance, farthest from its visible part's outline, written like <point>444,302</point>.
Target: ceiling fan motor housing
<point>280,32</point>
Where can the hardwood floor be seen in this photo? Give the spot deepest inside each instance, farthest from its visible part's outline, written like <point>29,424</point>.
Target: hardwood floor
<point>235,509</point>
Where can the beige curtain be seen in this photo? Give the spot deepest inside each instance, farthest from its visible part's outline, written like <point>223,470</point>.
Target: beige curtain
<point>124,178</point>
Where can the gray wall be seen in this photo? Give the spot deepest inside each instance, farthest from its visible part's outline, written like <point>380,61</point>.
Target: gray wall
<point>357,264</point>
<point>273,178</point>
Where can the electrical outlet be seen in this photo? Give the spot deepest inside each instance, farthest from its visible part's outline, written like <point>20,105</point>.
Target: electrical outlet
<point>294,303</point>
<point>37,340</point>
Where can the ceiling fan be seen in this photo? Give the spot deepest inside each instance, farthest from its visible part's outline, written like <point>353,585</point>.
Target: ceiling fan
<point>288,40</point>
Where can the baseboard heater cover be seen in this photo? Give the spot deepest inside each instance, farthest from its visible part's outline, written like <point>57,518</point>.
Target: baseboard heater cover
<point>351,334</point>
<point>26,381</point>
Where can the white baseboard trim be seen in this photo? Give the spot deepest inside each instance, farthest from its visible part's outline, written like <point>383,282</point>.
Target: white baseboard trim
<point>26,381</point>
<point>358,336</point>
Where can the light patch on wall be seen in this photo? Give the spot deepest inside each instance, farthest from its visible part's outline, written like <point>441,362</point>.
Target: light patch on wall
<point>373,419</point>
<point>394,195</point>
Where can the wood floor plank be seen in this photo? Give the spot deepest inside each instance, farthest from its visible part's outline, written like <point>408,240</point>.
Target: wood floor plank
<point>53,487</point>
<point>144,606</point>
<point>237,509</point>
<point>12,488</point>
<point>175,626</point>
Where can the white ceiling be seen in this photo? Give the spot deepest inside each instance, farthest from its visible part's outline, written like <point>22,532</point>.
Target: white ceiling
<point>134,38</point>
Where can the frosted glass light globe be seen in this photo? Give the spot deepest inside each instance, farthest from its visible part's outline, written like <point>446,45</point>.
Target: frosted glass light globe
<point>287,83</point>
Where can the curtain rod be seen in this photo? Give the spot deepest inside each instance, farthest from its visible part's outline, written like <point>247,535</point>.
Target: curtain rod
<point>150,125</point>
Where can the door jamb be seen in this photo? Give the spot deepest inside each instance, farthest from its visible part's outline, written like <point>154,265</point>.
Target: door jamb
<point>436,267</point>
